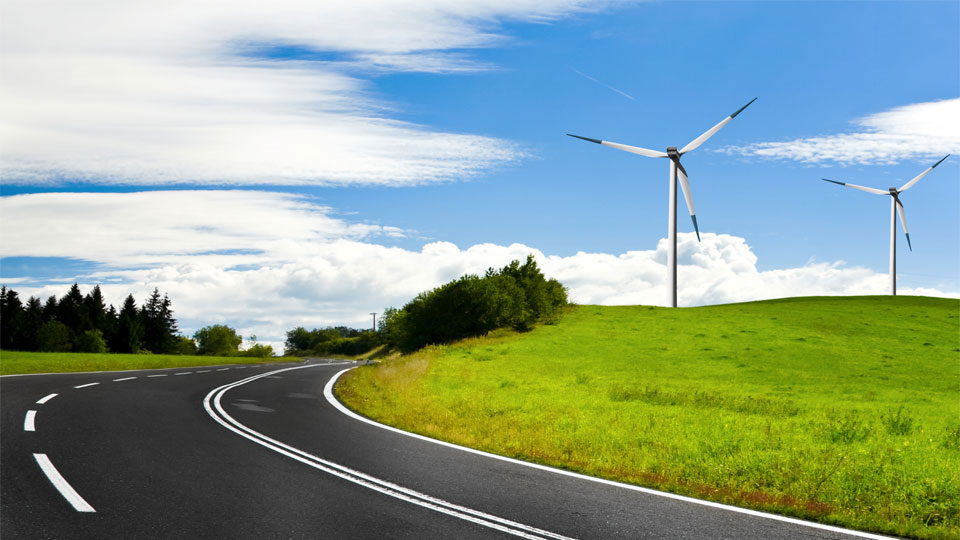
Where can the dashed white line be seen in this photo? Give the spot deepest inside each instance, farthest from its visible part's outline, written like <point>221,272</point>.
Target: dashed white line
<point>204,371</point>
<point>240,367</point>
<point>223,369</point>
<point>46,399</point>
<point>183,373</point>
<point>124,379</point>
<point>162,375</point>
<point>28,421</point>
<point>86,385</point>
<point>62,486</point>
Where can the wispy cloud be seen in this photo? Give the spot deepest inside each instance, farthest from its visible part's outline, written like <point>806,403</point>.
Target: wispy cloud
<point>919,130</point>
<point>603,84</point>
<point>151,93</point>
<point>267,262</point>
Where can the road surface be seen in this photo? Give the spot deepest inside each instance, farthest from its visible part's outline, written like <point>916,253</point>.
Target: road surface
<point>260,452</point>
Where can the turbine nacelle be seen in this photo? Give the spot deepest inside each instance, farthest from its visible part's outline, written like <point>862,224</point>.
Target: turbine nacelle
<point>672,152</point>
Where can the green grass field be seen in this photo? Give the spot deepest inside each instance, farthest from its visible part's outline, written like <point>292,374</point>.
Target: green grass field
<point>17,362</point>
<point>840,410</point>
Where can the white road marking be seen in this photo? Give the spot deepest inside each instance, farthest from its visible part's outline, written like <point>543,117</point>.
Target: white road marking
<point>124,379</point>
<point>46,399</point>
<point>223,369</point>
<point>86,385</point>
<point>204,371</point>
<point>240,367</point>
<point>163,375</point>
<point>62,486</point>
<point>217,412</point>
<point>184,373</point>
<point>28,421</point>
<point>328,393</point>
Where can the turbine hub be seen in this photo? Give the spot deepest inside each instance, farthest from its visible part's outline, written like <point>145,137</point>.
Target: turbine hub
<point>893,191</point>
<point>672,152</point>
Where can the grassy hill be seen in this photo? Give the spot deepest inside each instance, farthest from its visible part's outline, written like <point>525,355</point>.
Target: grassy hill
<point>840,410</point>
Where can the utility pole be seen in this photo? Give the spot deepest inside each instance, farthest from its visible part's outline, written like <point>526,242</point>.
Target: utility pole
<point>374,321</point>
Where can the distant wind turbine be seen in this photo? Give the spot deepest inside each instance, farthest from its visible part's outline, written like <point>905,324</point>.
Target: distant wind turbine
<point>895,207</point>
<point>675,167</point>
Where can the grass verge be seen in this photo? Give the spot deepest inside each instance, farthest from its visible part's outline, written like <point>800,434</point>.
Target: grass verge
<point>844,411</point>
<point>18,362</point>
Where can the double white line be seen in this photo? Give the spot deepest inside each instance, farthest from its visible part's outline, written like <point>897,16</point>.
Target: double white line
<point>213,407</point>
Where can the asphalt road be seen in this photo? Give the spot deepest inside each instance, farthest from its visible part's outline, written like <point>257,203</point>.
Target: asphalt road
<point>261,453</point>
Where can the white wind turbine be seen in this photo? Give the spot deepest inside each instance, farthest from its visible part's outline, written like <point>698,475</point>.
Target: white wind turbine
<point>676,171</point>
<point>895,207</point>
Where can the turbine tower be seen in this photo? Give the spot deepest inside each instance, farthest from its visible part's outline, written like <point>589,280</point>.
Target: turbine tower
<point>896,207</point>
<point>676,172</point>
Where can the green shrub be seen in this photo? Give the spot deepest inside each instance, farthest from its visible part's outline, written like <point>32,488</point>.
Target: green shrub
<point>91,341</point>
<point>217,340</point>
<point>258,351</point>
<point>53,336</point>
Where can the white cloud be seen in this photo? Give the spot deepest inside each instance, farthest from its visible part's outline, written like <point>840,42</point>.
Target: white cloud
<point>919,130</point>
<point>139,92</point>
<point>267,262</point>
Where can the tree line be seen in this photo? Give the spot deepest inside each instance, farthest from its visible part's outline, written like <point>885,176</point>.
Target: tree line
<point>516,296</point>
<point>85,323</point>
<point>330,340</point>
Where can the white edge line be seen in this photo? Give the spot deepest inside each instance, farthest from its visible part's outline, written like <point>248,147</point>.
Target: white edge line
<point>46,399</point>
<point>362,479</point>
<point>86,385</point>
<point>124,379</point>
<point>328,393</point>
<point>62,486</point>
<point>29,420</point>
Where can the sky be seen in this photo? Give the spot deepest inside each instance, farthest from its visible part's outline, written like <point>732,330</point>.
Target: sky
<point>279,164</point>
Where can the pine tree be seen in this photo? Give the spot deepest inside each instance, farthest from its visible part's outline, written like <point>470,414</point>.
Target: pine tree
<point>32,321</point>
<point>11,319</point>
<point>50,309</point>
<point>129,328</point>
<point>72,313</point>
<point>159,326</point>
<point>95,309</point>
<point>110,325</point>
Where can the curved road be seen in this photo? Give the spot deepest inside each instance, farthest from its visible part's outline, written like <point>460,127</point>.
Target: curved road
<point>259,452</point>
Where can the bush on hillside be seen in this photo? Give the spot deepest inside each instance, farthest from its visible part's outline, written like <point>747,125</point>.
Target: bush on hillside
<point>517,296</point>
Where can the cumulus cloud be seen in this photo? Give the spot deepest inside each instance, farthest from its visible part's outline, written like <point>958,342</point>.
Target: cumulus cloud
<point>919,130</point>
<point>141,92</point>
<point>267,262</point>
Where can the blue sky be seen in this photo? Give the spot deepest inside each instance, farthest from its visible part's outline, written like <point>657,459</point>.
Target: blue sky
<point>394,130</point>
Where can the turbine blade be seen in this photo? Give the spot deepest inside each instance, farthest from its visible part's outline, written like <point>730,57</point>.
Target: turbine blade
<point>903,221</point>
<point>861,188</point>
<point>910,184</point>
<point>624,147</point>
<point>709,133</point>
<point>687,196</point>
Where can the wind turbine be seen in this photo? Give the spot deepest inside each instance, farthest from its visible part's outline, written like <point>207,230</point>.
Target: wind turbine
<point>676,171</point>
<point>895,207</point>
